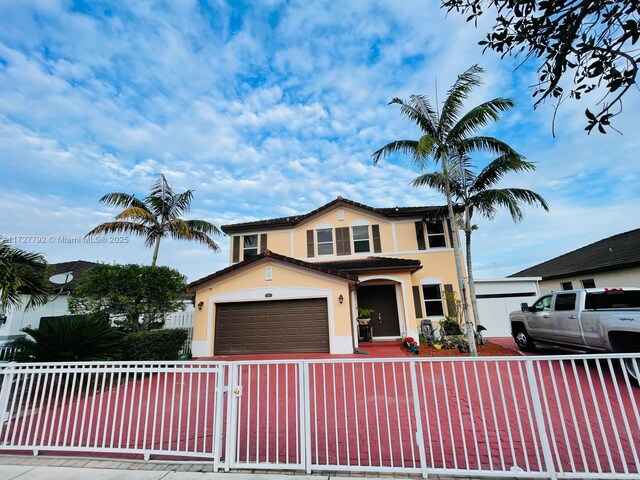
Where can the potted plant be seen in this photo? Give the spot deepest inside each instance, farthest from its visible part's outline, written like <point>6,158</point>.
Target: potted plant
<point>364,315</point>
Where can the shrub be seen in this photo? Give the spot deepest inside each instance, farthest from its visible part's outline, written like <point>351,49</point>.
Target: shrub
<point>450,326</point>
<point>69,338</point>
<point>155,344</point>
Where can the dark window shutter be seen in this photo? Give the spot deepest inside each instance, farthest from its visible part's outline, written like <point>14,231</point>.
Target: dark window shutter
<point>343,241</point>
<point>375,233</point>
<point>310,249</point>
<point>446,222</point>
<point>263,242</point>
<point>416,301</point>
<point>422,245</point>
<point>236,249</point>
<point>451,303</point>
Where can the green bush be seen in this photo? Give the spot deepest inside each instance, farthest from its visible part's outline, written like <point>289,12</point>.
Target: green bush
<point>69,338</point>
<point>450,326</point>
<point>155,344</point>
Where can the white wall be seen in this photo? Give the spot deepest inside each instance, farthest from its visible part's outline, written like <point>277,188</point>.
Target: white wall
<point>627,277</point>
<point>19,319</point>
<point>498,297</point>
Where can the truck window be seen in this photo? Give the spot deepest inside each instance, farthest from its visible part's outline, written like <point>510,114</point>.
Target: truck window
<point>544,304</point>
<point>613,299</point>
<point>565,301</point>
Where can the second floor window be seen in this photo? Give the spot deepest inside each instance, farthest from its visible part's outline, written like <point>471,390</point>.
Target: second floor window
<point>361,239</point>
<point>435,234</point>
<point>250,248</point>
<point>324,239</point>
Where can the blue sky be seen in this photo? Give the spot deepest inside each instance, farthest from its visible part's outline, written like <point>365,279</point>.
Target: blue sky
<point>268,109</point>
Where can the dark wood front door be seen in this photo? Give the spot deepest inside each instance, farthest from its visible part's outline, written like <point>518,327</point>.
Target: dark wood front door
<point>382,300</point>
<point>279,326</point>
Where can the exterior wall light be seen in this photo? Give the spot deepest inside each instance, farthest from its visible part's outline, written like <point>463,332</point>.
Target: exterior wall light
<point>341,299</point>
<point>200,305</point>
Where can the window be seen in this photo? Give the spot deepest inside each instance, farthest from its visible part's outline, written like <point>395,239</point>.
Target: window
<point>543,305</point>
<point>432,300</point>
<point>613,299</point>
<point>250,248</point>
<point>566,285</point>
<point>435,234</point>
<point>565,302</point>
<point>588,283</point>
<point>324,239</point>
<point>361,239</point>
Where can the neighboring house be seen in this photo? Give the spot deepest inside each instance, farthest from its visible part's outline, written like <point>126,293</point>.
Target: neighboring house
<point>611,262</point>
<point>294,283</point>
<point>64,279</point>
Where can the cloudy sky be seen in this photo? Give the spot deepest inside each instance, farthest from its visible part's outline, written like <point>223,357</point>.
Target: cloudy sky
<point>268,109</point>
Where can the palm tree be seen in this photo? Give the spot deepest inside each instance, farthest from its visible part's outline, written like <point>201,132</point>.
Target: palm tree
<point>473,193</point>
<point>446,137</point>
<point>156,217</point>
<point>22,272</point>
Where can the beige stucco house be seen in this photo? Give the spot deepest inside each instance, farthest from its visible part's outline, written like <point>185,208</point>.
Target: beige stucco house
<point>294,283</point>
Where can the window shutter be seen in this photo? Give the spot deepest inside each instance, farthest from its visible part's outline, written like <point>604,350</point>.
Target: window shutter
<point>416,301</point>
<point>236,249</point>
<point>310,249</point>
<point>375,233</point>
<point>422,245</point>
<point>263,242</point>
<point>451,304</point>
<point>448,227</point>
<point>343,241</point>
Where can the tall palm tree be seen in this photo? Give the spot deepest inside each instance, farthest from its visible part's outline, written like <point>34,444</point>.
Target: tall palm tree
<point>22,272</point>
<point>474,193</point>
<point>156,217</point>
<point>446,137</point>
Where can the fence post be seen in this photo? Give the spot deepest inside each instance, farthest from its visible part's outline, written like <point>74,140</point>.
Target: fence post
<point>218,435</point>
<point>540,421</point>
<point>5,392</point>
<point>418,417</point>
<point>232,412</point>
<point>305,409</point>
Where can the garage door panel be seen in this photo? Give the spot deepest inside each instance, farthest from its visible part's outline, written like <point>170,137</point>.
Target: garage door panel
<point>272,327</point>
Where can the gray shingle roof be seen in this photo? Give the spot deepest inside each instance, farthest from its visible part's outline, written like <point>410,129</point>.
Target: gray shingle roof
<point>373,263</point>
<point>612,253</point>
<point>283,222</point>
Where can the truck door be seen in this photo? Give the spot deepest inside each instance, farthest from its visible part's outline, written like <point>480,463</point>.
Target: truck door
<point>538,317</point>
<point>564,323</point>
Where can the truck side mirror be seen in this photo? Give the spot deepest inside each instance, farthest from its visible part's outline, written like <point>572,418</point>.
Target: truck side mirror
<point>524,307</point>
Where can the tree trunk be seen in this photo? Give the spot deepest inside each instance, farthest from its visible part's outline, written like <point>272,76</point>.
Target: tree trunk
<point>155,252</point>
<point>471,341</point>
<point>472,287</point>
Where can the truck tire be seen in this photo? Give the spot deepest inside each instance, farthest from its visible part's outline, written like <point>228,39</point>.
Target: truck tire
<point>632,366</point>
<point>523,340</point>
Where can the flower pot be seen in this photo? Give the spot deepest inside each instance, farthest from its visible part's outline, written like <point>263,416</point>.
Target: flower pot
<point>437,346</point>
<point>364,321</point>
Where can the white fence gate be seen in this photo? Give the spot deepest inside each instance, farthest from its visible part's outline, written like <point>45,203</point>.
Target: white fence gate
<point>551,417</point>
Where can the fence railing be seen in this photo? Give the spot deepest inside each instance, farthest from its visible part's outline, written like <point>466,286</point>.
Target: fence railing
<point>573,416</point>
<point>7,353</point>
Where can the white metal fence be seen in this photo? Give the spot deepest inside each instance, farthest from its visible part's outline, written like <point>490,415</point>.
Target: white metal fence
<point>7,353</point>
<point>566,416</point>
<point>182,319</point>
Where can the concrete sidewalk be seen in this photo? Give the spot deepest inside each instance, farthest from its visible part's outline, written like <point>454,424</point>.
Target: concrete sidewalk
<point>20,467</point>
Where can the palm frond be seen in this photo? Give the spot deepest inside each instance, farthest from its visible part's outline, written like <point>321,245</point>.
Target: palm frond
<point>435,180</point>
<point>123,200</point>
<point>498,168</point>
<point>484,144</point>
<point>179,229</point>
<point>121,226</point>
<point>203,227</point>
<point>419,111</point>
<point>181,203</point>
<point>138,213</point>
<point>22,273</point>
<point>479,117</point>
<point>512,199</point>
<point>456,96</point>
<point>203,238</point>
<point>393,148</point>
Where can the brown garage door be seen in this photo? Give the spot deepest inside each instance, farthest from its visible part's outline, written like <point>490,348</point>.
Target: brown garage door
<point>280,326</point>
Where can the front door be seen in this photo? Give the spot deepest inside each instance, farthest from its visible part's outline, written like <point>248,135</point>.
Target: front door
<point>382,300</point>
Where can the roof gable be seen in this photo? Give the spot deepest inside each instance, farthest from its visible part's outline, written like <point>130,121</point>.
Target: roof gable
<point>294,220</point>
<point>318,267</point>
<point>612,253</point>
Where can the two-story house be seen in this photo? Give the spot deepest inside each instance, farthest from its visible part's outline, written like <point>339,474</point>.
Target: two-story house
<point>294,283</point>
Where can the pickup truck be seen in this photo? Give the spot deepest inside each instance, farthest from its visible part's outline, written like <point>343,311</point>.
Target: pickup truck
<point>589,319</point>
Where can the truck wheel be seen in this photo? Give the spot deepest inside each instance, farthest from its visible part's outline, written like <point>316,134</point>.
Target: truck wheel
<point>632,366</point>
<point>524,341</point>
